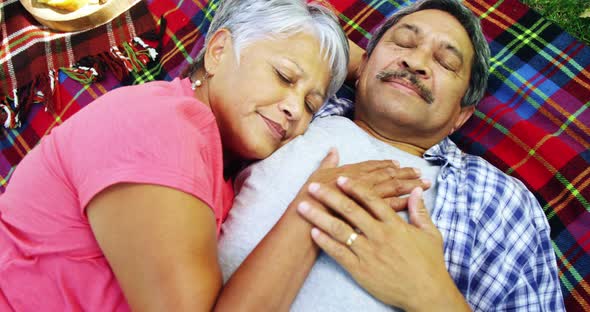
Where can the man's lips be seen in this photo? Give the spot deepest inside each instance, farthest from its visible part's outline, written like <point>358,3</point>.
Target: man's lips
<point>275,128</point>
<point>406,86</point>
<point>406,80</point>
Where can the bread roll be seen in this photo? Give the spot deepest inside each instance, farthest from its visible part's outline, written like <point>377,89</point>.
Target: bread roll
<point>68,5</point>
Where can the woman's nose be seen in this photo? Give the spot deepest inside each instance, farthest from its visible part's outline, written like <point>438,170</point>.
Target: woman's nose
<point>292,107</point>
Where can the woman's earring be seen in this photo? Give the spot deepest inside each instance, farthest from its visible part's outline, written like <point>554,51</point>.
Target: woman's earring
<point>197,83</point>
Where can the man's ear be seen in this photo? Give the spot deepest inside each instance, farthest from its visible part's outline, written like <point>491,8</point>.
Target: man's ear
<point>220,45</point>
<point>361,68</point>
<point>464,115</point>
<point>362,65</point>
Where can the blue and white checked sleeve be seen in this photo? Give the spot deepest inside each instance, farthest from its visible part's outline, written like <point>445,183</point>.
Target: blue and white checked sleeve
<point>514,265</point>
<point>336,106</point>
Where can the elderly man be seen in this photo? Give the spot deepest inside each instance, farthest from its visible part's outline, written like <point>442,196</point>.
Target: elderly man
<point>486,246</point>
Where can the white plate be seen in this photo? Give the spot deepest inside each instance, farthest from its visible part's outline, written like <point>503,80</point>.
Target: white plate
<point>87,17</point>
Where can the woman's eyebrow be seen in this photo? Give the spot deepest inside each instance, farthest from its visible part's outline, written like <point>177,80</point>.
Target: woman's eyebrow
<point>299,68</point>
<point>303,74</point>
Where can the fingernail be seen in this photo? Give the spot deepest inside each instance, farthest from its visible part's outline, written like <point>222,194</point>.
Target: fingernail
<point>426,182</point>
<point>395,162</point>
<point>418,171</point>
<point>342,180</point>
<point>313,187</point>
<point>315,232</point>
<point>303,207</point>
<point>417,191</point>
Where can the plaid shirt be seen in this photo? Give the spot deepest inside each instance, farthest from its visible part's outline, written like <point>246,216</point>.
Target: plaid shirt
<point>496,236</point>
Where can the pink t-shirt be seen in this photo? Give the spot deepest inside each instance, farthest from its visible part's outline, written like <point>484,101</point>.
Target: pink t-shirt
<point>156,133</point>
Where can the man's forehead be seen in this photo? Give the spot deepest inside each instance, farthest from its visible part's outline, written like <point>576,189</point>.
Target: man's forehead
<point>439,24</point>
<point>433,20</point>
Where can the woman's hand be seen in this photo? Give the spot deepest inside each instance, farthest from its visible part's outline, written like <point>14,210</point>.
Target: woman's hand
<point>384,177</point>
<point>400,264</point>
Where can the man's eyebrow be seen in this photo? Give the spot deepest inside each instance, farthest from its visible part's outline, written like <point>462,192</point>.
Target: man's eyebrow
<point>449,46</point>
<point>410,27</point>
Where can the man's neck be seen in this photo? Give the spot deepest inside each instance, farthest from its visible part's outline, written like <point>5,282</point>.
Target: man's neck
<point>406,147</point>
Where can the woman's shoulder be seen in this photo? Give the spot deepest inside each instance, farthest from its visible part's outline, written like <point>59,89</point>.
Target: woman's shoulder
<point>154,109</point>
<point>152,123</point>
<point>160,98</point>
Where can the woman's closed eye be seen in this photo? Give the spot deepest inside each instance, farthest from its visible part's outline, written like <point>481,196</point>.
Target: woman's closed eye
<point>313,103</point>
<point>310,107</point>
<point>284,77</point>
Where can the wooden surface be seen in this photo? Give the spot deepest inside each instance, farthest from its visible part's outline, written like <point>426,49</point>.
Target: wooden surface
<point>87,17</point>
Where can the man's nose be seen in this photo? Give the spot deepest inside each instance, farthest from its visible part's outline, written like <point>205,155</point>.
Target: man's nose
<point>417,63</point>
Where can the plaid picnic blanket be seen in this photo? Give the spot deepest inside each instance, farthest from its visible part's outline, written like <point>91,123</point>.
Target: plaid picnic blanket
<point>31,54</point>
<point>533,123</point>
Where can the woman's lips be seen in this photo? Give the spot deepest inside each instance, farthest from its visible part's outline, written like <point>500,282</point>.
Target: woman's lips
<point>276,129</point>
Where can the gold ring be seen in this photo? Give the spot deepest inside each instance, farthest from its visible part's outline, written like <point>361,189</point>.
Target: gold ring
<point>351,239</point>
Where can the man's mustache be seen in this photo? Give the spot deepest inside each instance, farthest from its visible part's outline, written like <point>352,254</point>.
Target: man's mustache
<point>424,92</point>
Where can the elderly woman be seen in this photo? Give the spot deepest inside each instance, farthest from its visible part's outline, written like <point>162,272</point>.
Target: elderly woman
<point>119,207</point>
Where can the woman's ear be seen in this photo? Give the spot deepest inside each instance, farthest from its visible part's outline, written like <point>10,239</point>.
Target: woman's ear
<point>219,47</point>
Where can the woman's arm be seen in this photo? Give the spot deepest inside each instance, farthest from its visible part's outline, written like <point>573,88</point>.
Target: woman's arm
<point>161,245</point>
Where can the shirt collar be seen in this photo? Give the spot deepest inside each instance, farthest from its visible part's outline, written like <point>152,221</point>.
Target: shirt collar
<point>446,151</point>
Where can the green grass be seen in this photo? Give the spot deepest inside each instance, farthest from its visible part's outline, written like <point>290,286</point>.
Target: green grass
<point>566,14</point>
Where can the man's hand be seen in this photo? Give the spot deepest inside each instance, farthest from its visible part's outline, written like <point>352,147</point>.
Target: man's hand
<point>400,264</point>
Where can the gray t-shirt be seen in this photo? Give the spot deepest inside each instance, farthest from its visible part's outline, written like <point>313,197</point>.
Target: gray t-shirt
<point>265,189</point>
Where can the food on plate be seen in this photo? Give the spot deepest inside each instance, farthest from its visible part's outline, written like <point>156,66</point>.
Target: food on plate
<point>70,5</point>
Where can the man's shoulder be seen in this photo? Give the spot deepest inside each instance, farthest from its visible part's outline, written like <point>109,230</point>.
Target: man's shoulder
<point>491,194</point>
<point>502,200</point>
<point>471,170</point>
<point>479,171</point>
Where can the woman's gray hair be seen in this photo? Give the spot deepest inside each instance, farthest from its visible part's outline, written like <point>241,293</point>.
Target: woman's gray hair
<point>252,20</point>
<point>481,58</point>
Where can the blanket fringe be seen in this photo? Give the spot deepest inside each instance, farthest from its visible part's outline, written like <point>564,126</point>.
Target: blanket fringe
<point>130,57</point>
